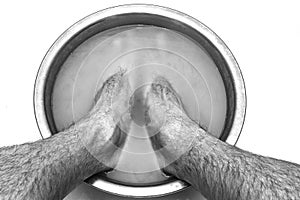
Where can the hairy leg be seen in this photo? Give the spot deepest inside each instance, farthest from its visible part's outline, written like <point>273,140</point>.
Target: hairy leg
<point>218,170</point>
<point>51,168</point>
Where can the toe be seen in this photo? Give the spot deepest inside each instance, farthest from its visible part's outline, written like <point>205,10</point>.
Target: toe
<point>163,89</point>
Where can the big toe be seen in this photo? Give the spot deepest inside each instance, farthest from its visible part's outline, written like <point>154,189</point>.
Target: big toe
<point>115,81</point>
<point>112,85</point>
<point>162,88</point>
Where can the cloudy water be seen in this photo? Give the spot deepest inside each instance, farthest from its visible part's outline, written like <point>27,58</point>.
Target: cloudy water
<point>145,51</point>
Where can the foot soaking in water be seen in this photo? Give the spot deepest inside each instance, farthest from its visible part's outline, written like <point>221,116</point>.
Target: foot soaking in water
<point>144,52</point>
<point>134,109</point>
<point>51,168</point>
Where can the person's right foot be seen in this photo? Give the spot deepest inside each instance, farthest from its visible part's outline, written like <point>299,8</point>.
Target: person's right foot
<point>168,125</point>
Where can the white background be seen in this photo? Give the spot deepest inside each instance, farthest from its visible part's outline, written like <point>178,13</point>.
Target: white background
<point>264,36</point>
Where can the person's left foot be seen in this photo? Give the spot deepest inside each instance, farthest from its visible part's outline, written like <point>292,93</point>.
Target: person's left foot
<point>108,120</point>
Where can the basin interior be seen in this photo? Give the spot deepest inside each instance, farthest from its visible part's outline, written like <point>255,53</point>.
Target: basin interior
<point>145,52</point>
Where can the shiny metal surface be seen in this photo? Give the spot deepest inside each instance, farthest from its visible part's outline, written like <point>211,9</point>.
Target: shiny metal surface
<point>150,15</point>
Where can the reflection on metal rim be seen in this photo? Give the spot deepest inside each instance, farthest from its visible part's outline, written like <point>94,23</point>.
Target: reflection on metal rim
<point>140,191</point>
<point>238,110</point>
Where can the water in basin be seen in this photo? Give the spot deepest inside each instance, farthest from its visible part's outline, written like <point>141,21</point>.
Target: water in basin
<point>145,51</point>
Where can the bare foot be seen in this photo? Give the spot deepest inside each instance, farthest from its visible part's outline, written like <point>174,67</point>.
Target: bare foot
<point>108,119</point>
<point>168,124</point>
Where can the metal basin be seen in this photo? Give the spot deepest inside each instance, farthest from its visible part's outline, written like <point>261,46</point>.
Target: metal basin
<point>141,14</point>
